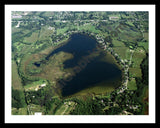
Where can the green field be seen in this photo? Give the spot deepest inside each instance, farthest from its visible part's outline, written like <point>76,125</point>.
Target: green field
<point>20,111</point>
<point>16,80</point>
<point>32,39</point>
<point>90,28</point>
<point>117,43</point>
<point>132,84</point>
<point>123,52</point>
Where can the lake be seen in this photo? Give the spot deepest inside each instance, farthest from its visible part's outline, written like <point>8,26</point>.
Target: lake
<point>91,66</point>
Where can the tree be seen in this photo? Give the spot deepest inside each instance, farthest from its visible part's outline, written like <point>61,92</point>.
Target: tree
<point>18,99</point>
<point>108,39</point>
<point>144,67</point>
<point>114,111</point>
<point>88,107</point>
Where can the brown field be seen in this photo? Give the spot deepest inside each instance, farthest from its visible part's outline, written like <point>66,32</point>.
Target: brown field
<point>53,69</point>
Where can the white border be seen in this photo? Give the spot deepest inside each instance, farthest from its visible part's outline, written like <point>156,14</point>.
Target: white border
<point>80,119</point>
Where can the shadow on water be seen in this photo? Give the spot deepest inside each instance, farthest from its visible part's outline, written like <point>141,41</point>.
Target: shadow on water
<point>94,72</point>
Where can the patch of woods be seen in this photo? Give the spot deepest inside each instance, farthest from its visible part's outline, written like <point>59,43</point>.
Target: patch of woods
<point>89,107</point>
<point>142,83</point>
<point>18,99</point>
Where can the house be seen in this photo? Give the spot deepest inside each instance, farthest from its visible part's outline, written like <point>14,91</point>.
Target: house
<point>42,85</point>
<point>38,113</point>
<point>16,16</point>
<point>113,18</point>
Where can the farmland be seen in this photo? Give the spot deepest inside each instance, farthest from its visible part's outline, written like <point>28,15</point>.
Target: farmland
<point>36,72</point>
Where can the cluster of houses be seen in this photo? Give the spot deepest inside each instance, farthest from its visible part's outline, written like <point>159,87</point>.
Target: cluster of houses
<point>123,62</point>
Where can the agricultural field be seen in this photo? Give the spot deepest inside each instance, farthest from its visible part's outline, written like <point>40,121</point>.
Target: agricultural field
<point>38,70</point>
<point>123,52</point>
<point>132,84</point>
<point>31,39</point>
<point>16,80</point>
<point>138,56</point>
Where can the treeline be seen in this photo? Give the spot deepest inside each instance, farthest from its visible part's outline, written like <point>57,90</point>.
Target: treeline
<point>141,83</point>
<point>88,107</point>
<point>144,67</point>
<point>18,99</point>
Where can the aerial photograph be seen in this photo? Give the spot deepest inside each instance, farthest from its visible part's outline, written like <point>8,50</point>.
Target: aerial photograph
<point>80,62</point>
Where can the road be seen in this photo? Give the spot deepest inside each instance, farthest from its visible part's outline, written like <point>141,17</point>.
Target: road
<point>130,60</point>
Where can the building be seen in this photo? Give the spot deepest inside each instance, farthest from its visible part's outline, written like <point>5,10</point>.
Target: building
<point>16,16</point>
<point>113,18</point>
<point>38,113</point>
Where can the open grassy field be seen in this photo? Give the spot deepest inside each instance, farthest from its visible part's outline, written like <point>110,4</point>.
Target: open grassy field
<point>16,81</point>
<point>146,36</point>
<point>31,39</point>
<point>117,43</point>
<point>123,52</point>
<point>132,84</point>
<point>135,72</point>
<point>89,27</point>
<point>138,56</point>
<point>20,111</point>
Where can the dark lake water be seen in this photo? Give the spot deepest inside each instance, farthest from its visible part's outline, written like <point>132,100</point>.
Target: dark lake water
<point>94,72</point>
<point>79,45</point>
